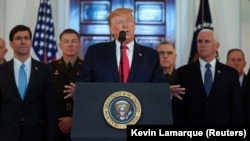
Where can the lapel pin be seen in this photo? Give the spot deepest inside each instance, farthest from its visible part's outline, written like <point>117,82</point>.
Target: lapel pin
<point>140,54</point>
<point>36,68</point>
<point>56,72</point>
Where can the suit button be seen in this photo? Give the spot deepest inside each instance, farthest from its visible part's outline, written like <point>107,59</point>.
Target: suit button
<point>68,107</point>
<point>22,121</point>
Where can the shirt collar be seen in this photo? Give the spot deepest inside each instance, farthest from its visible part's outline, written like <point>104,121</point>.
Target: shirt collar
<point>18,63</point>
<point>129,45</point>
<point>203,63</point>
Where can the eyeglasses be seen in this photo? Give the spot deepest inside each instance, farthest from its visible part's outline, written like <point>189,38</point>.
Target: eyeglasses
<point>169,53</point>
<point>19,38</point>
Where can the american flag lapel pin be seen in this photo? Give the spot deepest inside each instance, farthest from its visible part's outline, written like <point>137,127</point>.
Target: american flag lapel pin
<point>56,72</point>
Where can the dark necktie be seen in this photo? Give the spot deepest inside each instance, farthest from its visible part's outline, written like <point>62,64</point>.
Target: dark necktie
<point>22,84</point>
<point>167,76</point>
<point>125,63</point>
<point>208,79</point>
<point>69,67</point>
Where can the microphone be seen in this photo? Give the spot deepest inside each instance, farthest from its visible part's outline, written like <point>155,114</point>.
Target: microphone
<point>122,36</point>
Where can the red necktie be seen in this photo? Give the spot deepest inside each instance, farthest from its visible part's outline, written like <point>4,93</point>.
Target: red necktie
<point>125,64</point>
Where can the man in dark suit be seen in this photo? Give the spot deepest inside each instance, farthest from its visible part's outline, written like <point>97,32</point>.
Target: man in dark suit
<point>102,60</point>
<point>220,103</point>
<point>65,70</point>
<point>247,94</point>
<point>236,60</point>
<point>31,116</point>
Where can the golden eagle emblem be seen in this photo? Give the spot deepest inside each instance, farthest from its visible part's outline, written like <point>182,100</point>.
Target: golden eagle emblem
<point>122,108</point>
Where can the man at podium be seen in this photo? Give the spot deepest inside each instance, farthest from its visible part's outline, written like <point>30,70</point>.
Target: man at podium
<point>103,61</point>
<point>120,61</point>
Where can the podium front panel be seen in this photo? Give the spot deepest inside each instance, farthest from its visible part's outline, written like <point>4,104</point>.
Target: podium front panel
<point>89,123</point>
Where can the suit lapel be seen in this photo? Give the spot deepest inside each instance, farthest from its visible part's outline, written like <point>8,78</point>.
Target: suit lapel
<point>32,81</point>
<point>61,66</point>
<point>244,81</point>
<point>200,83</point>
<point>198,74</point>
<point>217,77</point>
<point>76,66</point>
<point>138,55</point>
<point>111,57</point>
<point>11,77</point>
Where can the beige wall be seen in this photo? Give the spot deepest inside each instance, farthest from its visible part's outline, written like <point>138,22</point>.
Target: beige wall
<point>245,29</point>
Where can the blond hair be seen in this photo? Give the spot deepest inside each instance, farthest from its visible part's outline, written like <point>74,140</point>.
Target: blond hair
<point>118,12</point>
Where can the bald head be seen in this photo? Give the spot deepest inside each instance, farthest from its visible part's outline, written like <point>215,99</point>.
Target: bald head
<point>3,50</point>
<point>2,43</point>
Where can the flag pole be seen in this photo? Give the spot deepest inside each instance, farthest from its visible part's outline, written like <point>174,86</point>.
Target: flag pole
<point>45,60</point>
<point>204,20</point>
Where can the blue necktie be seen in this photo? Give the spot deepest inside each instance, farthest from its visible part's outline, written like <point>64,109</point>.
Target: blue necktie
<point>208,79</point>
<point>22,81</point>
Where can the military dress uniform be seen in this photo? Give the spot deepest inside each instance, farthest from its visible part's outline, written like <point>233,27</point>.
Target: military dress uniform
<point>170,77</point>
<point>63,76</point>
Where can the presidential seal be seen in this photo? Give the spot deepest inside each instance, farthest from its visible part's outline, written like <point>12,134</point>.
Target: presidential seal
<point>122,108</point>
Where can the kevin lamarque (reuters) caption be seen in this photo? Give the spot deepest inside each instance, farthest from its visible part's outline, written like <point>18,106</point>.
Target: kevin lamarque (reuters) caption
<point>163,132</point>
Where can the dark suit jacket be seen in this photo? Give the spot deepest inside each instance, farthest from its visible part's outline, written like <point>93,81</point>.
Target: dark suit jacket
<point>224,104</point>
<point>100,64</point>
<point>38,109</point>
<point>244,81</point>
<point>247,96</point>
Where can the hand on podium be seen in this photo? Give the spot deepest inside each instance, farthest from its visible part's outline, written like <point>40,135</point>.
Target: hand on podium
<point>176,91</point>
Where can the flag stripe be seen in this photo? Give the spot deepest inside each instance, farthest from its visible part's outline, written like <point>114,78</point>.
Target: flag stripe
<point>44,43</point>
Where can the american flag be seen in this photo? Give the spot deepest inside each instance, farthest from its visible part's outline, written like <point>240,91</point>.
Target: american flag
<point>204,20</point>
<point>44,43</point>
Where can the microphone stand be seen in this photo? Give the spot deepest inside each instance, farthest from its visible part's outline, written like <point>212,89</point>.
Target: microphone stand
<point>121,62</point>
<point>121,38</point>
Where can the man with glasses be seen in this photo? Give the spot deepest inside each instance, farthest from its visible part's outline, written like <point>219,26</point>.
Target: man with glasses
<point>167,59</point>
